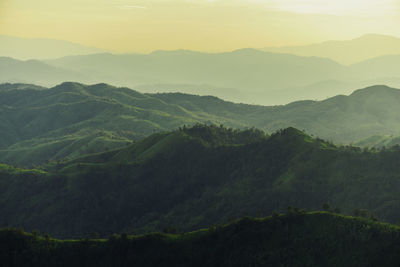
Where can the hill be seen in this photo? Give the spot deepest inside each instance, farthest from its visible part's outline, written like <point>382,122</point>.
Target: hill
<point>71,120</point>
<point>347,52</point>
<point>39,48</point>
<point>294,239</point>
<point>196,177</point>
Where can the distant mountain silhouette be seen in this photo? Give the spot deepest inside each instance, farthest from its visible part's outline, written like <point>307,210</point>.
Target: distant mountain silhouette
<point>348,51</point>
<point>248,70</point>
<point>17,71</point>
<point>39,48</point>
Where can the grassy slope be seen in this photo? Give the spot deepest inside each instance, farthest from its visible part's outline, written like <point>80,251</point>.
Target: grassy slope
<point>294,239</point>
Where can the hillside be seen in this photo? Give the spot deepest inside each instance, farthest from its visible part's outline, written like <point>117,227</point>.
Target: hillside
<point>71,119</point>
<point>161,182</point>
<point>294,239</point>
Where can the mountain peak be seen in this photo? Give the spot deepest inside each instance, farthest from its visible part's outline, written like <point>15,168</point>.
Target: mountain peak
<point>376,89</point>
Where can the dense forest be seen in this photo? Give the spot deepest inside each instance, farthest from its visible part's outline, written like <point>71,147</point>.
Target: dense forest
<point>293,239</point>
<point>196,177</point>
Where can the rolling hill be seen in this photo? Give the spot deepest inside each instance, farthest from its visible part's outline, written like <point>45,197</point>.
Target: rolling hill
<point>71,119</point>
<point>196,177</point>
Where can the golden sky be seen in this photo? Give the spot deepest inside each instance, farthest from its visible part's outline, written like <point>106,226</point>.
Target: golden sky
<point>204,25</point>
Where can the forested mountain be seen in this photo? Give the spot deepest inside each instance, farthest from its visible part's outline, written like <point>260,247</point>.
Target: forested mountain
<point>71,120</point>
<point>196,177</point>
<point>294,239</point>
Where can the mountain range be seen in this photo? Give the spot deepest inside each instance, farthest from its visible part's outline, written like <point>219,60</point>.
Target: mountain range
<point>248,75</point>
<point>346,52</point>
<point>196,177</point>
<point>70,120</point>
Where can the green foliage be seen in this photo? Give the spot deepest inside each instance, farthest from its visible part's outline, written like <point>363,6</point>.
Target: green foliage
<point>294,239</point>
<point>72,120</point>
<point>199,176</point>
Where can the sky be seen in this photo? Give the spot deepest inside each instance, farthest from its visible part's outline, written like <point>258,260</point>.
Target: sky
<point>202,25</point>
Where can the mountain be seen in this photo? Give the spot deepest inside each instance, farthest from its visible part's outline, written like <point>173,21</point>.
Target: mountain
<point>72,119</point>
<point>196,177</point>
<point>346,52</point>
<point>249,70</point>
<point>293,239</point>
<point>39,48</point>
<point>16,71</point>
<point>252,76</point>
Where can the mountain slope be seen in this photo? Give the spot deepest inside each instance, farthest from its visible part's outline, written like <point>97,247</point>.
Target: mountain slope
<point>71,120</point>
<point>294,239</point>
<point>196,177</point>
<point>74,119</point>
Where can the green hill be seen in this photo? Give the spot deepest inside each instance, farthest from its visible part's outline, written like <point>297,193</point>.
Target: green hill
<point>294,239</point>
<point>72,119</point>
<point>196,177</point>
